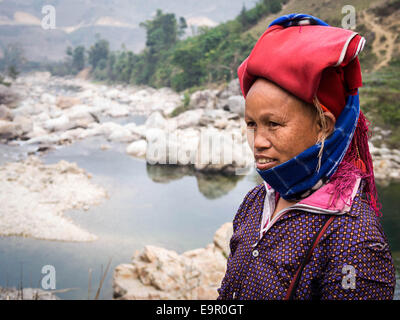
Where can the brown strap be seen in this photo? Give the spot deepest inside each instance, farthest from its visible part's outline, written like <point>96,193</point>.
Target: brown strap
<point>296,278</point>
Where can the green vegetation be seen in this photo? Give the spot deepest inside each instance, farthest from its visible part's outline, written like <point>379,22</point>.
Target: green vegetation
<point>380,99</point>
<point>77,57</point>
<point>213,55</point>
<point>12,61</point>
<point>185,105</point>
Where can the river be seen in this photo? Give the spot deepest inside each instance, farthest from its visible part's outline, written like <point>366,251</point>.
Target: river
<point>167,206</point>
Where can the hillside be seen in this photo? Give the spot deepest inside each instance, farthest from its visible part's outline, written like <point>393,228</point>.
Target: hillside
<point>378,21</point>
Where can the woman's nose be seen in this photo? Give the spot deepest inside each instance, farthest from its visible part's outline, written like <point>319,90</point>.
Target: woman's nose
<point>258,139</point>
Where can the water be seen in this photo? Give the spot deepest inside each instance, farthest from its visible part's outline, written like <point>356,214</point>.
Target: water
<point>172,207</point>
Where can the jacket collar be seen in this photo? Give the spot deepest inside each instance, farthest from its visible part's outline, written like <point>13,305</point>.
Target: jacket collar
<point>318,202</point>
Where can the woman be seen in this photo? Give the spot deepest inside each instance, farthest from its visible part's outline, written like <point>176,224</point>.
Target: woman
<point>311,230</point>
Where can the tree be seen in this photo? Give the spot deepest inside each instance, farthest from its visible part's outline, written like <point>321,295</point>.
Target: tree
<point>182,27</point>
<point>161,32</point>
<point>273,6</point>
<point>242,18</point>
<point>78,58</point>
<point>98,52</point>
<point>12,72</point>
<point>13,56</point>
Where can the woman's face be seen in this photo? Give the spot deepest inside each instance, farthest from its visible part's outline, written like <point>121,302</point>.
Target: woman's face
<point>279,125</point>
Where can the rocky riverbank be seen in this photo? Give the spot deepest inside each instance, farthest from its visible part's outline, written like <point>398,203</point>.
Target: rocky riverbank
<point>208,135</point>
<point>34,196</point>
<point>209,132</point>
<point>161,274</point>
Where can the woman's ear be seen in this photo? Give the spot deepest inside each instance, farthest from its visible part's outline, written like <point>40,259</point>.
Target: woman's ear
<point>329,124</point>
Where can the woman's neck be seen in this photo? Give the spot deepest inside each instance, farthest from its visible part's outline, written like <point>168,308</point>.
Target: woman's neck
<point>282,204</point>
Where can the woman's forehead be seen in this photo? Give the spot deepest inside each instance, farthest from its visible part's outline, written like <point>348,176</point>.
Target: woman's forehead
<point>266,97</point>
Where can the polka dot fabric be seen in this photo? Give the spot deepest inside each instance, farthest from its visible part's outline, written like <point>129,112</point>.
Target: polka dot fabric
<point>353,248</point>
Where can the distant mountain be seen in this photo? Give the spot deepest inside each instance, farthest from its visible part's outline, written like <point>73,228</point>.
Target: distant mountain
<point>78,21</point>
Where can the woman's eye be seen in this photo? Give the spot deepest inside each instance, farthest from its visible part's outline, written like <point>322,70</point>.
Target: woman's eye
<point>251,124</point>
<point>273,124</point>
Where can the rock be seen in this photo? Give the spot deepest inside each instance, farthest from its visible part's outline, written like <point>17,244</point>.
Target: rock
<point>156,120</point>
<point>42,117</point>
<point>158,273</point>
<point>48,98</point>
<point>83,74</point>
<point>205,99</point>
<point>5,113</point>
<point>148,100</point>
<point>113,94</point>
<point>140,130</point>
<point>63,102</point>
<point>36,131</point>
<point>394,175</point>
<point>189,119</point>
<point>137,148</point>
<point>81,115</point>
<point>61,123</point>
<point>233,89</point>
<point>209,117</point>
<point>46,139</point>
<point>236,104</point>
<point>221,123</point>
<point>122,134</point>
<point>71,135</point>
<point>24,123</point>
<point>8,96</point>
<point>222,238</point>
<point>105,147</point>
<point>107,128</point>
<point>116,110</point>
<point>384,151</point>
<point>53,190</point>
<point>9,130</point>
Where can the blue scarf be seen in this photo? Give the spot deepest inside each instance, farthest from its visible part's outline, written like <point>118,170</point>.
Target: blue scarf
<point>297,178</point>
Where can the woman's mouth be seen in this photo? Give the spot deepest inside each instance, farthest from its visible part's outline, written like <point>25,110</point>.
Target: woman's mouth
<point>265,163</point>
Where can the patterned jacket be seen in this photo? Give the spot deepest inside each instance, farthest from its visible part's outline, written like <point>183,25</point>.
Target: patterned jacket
<point>352,260</point>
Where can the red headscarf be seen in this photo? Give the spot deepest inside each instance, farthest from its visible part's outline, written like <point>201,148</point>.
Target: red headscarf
<point>307,61</point>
